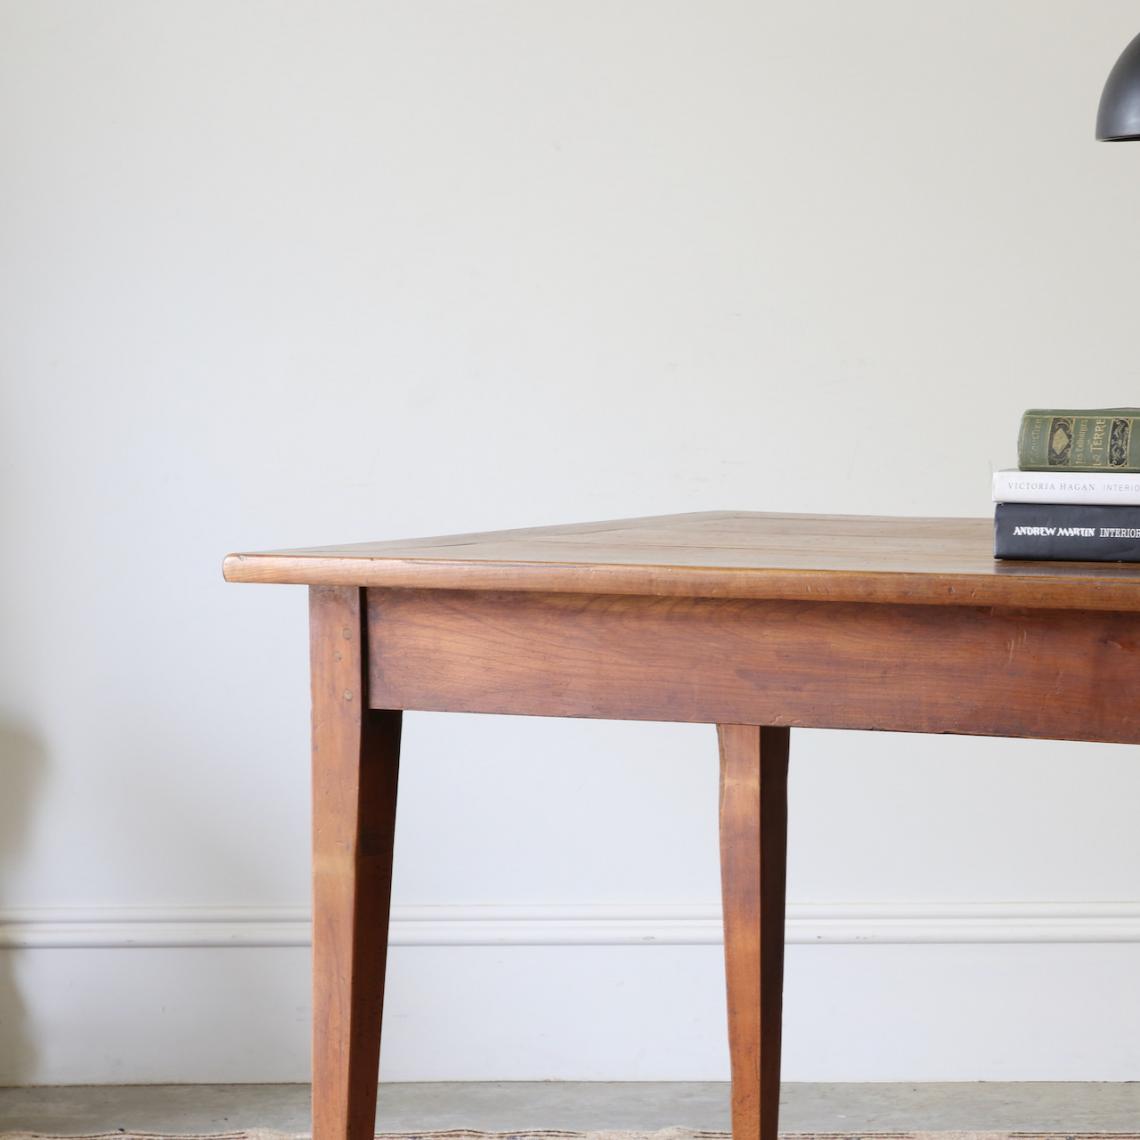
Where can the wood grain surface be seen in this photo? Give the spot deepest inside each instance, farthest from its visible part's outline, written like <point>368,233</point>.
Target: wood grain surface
<point>356,754</point>
<point>753,861</point>
<point>720,554</point>
<point>1053,674</point>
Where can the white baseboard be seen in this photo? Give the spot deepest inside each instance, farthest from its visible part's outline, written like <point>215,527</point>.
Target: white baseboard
<point>561,925</point>
<point>564,993</point>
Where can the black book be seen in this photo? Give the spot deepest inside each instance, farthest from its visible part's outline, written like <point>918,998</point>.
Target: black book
<point>1077,532</point>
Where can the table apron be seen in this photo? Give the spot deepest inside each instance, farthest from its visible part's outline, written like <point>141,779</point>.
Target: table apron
<point>1052,674</point>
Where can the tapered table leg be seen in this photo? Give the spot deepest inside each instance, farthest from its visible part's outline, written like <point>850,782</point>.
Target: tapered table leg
<point>753,854</point>
<point>355,765</point>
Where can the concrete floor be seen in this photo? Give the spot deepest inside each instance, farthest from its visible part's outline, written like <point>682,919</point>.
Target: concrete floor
<point>579,1106</point>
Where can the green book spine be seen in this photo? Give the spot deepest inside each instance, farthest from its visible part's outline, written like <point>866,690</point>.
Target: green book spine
<point>1082,439</point>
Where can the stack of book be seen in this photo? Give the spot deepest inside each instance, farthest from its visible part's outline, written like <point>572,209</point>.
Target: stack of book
<point>1075,495</point>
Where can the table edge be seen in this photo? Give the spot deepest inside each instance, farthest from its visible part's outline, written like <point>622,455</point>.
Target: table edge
<point>1016,587</point>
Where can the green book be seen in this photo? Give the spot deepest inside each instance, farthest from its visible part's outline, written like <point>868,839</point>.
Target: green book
<point>1080,439</point>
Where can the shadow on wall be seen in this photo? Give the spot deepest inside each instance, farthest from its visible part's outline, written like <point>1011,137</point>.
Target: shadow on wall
<point>22,762</point>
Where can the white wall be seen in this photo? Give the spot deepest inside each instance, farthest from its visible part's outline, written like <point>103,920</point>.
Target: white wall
<point>279,273</point>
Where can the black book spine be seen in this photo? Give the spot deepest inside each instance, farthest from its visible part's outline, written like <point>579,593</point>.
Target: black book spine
<point>1075,532</point>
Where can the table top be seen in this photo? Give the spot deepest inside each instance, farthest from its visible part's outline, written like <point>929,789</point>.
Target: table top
<point>718,554</point>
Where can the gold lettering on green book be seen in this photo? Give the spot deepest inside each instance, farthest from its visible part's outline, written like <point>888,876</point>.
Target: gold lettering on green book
<point>1093,439</point>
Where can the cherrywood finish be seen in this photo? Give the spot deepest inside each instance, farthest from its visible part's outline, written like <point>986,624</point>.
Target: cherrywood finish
<point>355,764</point>
<point>753,857</point>
<point>751,622</point>
<point>1006,672</point>
<point>719,554</point>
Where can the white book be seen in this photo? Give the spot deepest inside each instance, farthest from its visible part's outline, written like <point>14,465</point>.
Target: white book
<point>1104,487</point>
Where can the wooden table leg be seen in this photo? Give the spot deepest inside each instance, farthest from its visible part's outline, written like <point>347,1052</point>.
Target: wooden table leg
<point>356,754</point>
<point>753,856</point>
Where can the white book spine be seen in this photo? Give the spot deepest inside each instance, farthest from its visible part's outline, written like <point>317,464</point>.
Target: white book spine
<point>1098,487</point>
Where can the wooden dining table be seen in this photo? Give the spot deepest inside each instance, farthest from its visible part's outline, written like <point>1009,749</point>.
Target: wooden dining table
<point>756,623</point>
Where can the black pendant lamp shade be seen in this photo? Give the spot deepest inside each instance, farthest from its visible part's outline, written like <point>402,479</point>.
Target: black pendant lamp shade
<point>1118,118</point>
